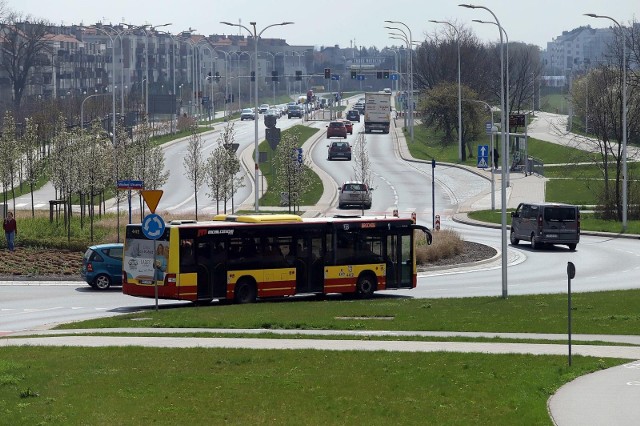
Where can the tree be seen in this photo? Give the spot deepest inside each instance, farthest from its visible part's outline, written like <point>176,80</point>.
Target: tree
<point>362,164</point>
<point>30,147</point>
<point>23,41</point>
<point>222,169</point>
<point>292,169</point>
<point>8,157</point>
<point>439,107</point>
<point>604,113</point>
<point>194,166</point>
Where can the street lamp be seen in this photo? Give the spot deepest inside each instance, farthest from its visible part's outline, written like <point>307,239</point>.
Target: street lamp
<point>507,87</point>
<point>403,37</point>
<point>256,35</point>
<point>503,183</point>
<point>493,127</point>
<point>410,73</point>
<point>624,117</point>
<point>460,147</point>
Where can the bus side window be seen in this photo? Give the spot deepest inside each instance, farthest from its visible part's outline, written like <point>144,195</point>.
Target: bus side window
<point>186,252</point>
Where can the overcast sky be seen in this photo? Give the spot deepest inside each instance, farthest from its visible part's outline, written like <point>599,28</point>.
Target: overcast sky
<point>344,22</point>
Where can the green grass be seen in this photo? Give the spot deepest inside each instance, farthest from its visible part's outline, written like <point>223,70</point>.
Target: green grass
<point>593,313</point>
<point>555,103</point>
<point>588,222</point>
<point>229,386</point>
<point>272,197</point>
<point>171,386</point>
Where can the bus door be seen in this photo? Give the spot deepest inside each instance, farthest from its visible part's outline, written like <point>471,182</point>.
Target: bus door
<point>210,257</point>
<point>309,264</point>
<point>399,264</point>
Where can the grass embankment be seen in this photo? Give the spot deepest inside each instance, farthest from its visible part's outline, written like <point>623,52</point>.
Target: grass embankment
<point>571,181</point>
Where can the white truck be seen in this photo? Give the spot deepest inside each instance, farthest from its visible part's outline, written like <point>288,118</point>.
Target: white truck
<point>377,111</point>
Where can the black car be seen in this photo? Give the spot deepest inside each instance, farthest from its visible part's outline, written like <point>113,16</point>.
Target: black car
<point>353,115</point>
<point>295,111</point>
<point>339,150</point>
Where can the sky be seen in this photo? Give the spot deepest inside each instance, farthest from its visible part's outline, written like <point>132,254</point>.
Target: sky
<point>345,23</point>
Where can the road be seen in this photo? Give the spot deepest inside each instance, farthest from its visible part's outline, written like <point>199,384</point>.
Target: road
<point>602,263</point>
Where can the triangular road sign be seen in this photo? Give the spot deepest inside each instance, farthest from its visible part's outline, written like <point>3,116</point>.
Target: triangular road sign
<point>152,198</point>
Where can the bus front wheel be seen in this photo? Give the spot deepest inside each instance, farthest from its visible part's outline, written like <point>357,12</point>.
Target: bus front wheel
<point>245,292</point>
<point>366,286</point>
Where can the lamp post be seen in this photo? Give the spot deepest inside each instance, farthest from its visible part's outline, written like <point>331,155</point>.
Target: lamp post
<point>407,123</point>
<point>507,86</point>
<point>460,147</point>
<point>493,191</point>
<point>503,183</point>
<point>256,35</point>
<point>410,74</point>
<point>624,117</point>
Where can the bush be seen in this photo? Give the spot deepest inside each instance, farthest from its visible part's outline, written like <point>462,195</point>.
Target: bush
<point>446,243</point>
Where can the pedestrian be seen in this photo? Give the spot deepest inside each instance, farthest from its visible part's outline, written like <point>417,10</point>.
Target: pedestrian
<point>10,230</point>
<point>496,158</point>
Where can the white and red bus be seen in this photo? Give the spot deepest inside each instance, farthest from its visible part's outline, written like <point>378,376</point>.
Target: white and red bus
<point>242,258</point>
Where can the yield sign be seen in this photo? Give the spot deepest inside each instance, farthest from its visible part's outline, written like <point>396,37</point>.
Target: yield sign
<point>152,198</point>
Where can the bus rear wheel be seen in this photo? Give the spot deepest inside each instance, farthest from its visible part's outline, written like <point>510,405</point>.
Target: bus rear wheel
<point>366,286</point>
<point>245,292</point>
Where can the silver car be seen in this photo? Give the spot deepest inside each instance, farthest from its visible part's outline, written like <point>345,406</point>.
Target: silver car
<point>354,193</point>
<point>247,114</point>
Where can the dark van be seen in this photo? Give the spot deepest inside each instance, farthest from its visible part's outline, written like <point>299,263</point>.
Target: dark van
<point>546,223</point>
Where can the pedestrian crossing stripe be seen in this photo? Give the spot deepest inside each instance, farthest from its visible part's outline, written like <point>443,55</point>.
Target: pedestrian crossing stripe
<point>482,163</point>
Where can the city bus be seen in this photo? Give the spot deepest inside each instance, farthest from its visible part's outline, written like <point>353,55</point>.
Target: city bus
<point>241,258</point>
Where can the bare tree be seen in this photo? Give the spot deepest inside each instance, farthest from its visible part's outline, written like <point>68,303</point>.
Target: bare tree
<point>222,169</point>
<point>23,41</point>
<point>194,166</point>
<point>362,165</point>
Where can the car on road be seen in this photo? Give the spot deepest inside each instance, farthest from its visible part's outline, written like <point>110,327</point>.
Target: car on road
<point>247,114</point>
<point>339,150</point>
<point>349,126</point>
<point>546,223</point>
<point>359,106</point>
<point>295,111</point>
<point>102,265</point>
<point>353,115</point>
<point>263,108</point>
<point>337,128</point>
<point>355,193</point>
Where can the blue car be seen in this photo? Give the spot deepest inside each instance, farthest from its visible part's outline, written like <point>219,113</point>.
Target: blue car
<point>102,265</point>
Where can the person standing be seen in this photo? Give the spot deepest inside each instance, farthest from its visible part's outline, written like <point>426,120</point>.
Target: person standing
<point>496,158</point>
<point>10,230</point>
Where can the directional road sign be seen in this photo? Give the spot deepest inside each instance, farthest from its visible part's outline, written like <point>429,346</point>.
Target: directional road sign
<point>483,156</point>
<point>360,77</point>
<point>393,76</point>
<point>153,226</point>
<point>130,184</point>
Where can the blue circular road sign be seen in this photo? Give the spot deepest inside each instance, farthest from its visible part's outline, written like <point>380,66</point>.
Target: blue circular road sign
<point>153,226</point>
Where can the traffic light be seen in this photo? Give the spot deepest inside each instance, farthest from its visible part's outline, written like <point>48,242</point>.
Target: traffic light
<point>385,75</point>
<point>353,75</point>
<point>379,74</point>
<point>327,73</point>
<point>274,75</point>
<point>299,75</point>
<point>253,76</point>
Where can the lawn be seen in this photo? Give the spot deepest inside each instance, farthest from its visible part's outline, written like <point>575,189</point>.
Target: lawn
<point>214,386</point>
<point>134,385</point>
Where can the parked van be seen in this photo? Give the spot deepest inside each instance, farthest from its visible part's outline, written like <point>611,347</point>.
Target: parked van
<point>546,223</point>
